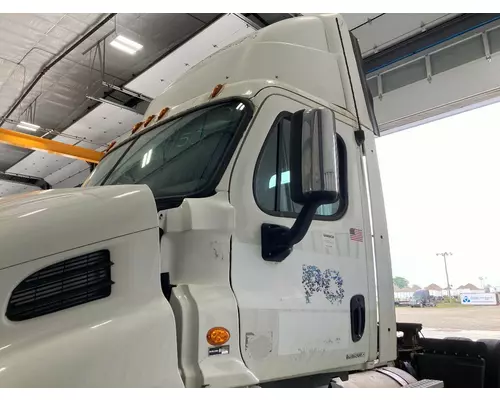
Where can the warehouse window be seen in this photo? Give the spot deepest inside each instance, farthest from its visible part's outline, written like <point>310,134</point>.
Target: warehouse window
<point>404,75</point>
<point>272,175</point>
<point>459,54</point>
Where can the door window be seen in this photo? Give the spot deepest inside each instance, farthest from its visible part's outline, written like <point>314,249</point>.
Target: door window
<point>272,175</point>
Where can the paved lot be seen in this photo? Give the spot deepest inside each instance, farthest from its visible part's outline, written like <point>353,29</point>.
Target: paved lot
<point>474,322</point>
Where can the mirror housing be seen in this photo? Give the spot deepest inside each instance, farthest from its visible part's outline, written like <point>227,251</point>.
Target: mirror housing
<point>314,178</point>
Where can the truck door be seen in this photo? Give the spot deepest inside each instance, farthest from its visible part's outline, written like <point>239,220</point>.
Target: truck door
<point>314,311</point>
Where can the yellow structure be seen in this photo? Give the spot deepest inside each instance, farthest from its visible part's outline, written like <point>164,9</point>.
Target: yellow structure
<point>26,141</point>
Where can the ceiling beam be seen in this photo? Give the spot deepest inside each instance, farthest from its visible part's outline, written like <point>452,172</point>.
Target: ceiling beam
<point>31,142</point>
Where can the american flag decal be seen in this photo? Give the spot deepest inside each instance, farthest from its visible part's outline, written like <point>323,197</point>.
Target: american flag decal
<point>356,234</point>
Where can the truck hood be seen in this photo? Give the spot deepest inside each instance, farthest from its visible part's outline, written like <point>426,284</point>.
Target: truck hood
<point>42,223</point>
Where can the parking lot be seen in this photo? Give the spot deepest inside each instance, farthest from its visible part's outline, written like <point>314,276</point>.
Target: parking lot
<point>474,322</point>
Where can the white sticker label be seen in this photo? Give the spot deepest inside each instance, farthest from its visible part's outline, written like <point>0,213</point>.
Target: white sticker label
<point>329,242</point>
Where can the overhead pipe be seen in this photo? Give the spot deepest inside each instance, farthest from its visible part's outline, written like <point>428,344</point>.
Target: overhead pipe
<point>48,66</point>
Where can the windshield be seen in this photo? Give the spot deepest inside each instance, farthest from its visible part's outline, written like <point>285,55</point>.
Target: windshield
<point>177,158</point>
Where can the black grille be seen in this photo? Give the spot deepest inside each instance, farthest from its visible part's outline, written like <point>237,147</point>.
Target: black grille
<point>63,285</point>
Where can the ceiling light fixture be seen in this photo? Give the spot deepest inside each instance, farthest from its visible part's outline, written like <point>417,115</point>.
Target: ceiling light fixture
<point>28,126</point>
<point>126,45</point>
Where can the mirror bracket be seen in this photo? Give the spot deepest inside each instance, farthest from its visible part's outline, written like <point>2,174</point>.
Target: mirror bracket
<point>277,241</point>
<point>275,245</point>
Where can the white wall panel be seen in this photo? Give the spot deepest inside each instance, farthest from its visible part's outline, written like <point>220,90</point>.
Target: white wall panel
<point>391,28</point>
<point>39,164</point>
<point>73,180</point>
<point>103,125</point>
<point>8,188</point>
<point>222,32</point>
<point>59,176</point>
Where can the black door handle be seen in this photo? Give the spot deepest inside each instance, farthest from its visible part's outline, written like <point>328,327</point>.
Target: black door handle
<point>358,317</point>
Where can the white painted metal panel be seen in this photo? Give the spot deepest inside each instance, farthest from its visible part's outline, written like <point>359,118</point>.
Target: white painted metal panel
<point>103,125</point>
<point>391,28</point>
<point>39,164</point>
<point>42,229</point>
<point>387,335</point>
<point>73,180</point>
<point>388,28</point>
<point>354,20</point>
<point>219,34</point>
<point>68,171</point>
<point>8,188</point>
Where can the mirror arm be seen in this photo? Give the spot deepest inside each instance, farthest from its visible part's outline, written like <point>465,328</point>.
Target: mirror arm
<point>278,240</point>
<point>302,223</point>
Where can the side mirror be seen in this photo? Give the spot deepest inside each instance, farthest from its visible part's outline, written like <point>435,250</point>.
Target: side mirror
<point>314,178</point>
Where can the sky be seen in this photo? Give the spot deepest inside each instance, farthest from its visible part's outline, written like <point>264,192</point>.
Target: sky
<point>441,187</point>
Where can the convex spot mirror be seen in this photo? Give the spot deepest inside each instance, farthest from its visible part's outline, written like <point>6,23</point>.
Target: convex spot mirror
<point>314,175</point>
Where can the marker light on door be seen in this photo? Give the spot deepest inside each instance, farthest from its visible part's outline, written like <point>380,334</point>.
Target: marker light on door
<point>218,336</point>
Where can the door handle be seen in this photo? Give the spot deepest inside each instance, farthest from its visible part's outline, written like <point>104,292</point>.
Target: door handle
<point>358,317</point>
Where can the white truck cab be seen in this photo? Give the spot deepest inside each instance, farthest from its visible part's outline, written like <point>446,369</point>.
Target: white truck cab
<point>237,238</point>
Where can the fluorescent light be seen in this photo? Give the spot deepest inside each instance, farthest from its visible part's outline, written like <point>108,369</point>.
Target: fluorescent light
<point>127,42</point>
<point>28,126</point>
<point>126,45</point>
<point>124,48</point>
<point>31,125</point>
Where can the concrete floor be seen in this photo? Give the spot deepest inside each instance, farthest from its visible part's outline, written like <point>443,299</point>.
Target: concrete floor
<point>474,322</point>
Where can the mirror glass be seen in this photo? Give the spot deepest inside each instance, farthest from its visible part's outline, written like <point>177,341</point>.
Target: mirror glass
<point>314,164</point>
